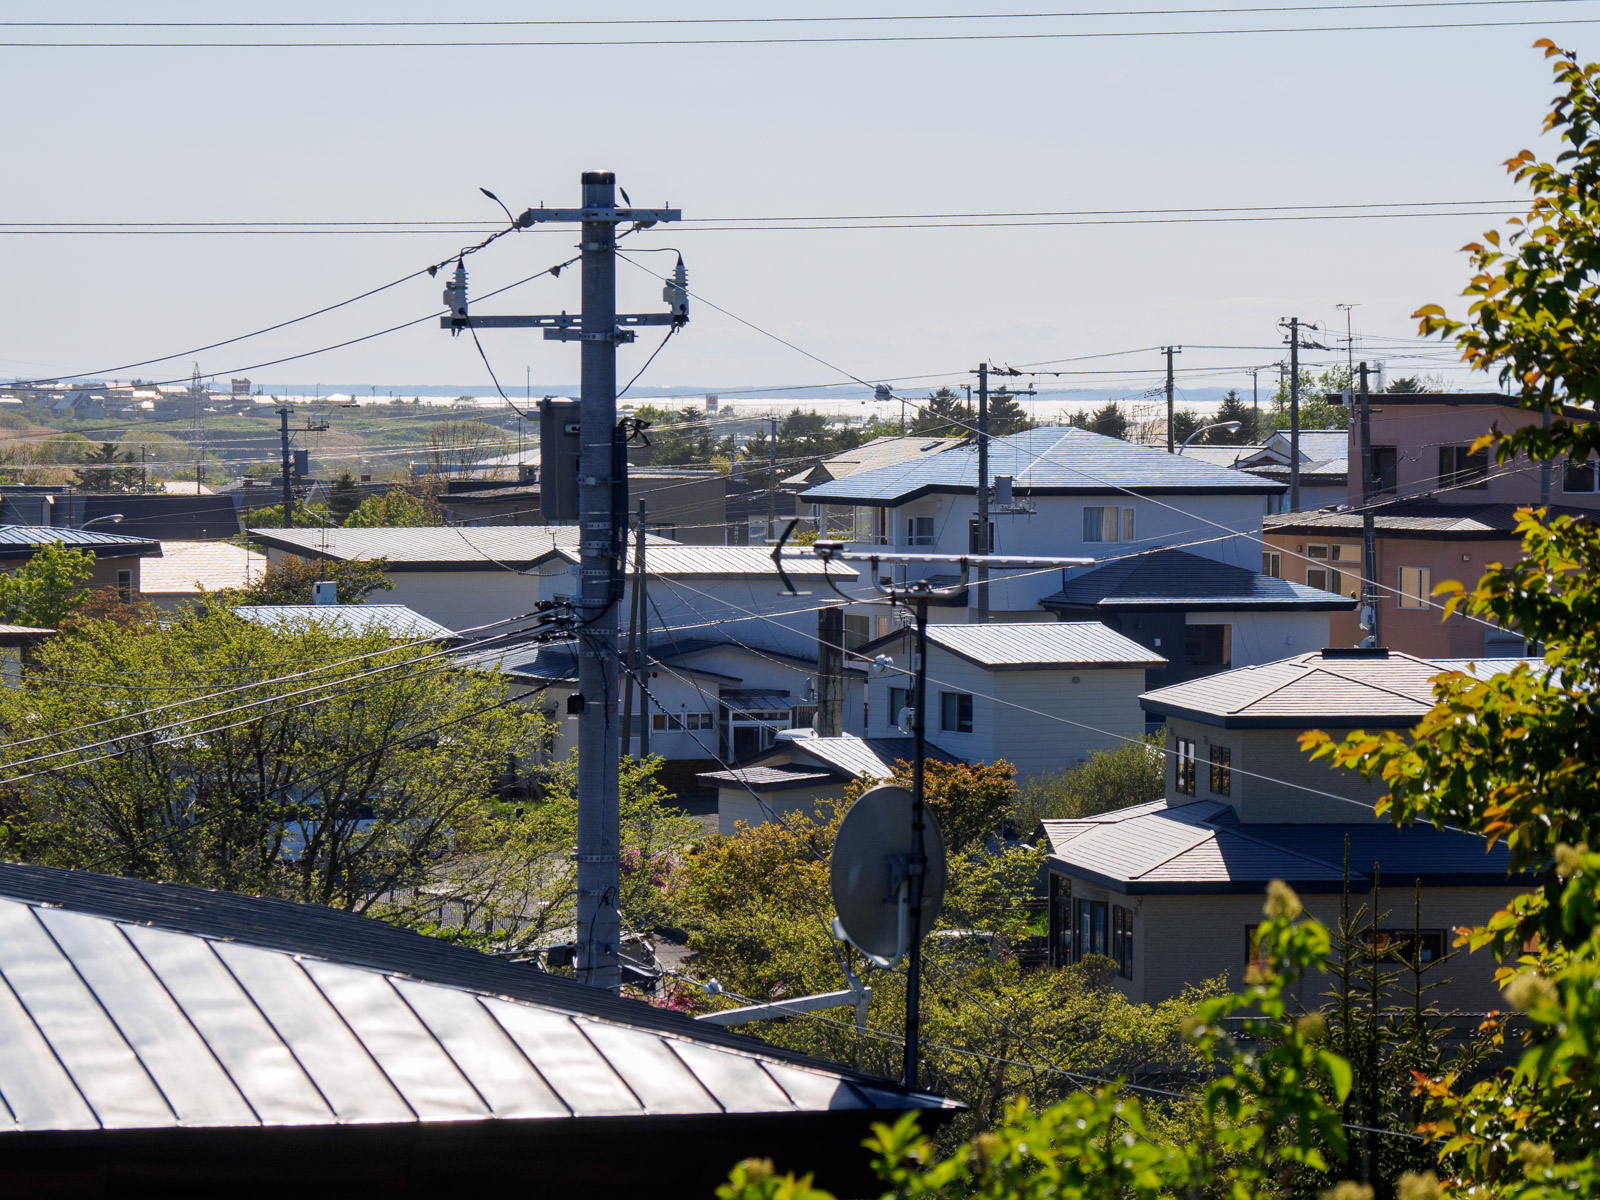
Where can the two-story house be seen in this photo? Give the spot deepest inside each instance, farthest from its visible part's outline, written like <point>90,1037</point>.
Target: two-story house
<point>1172,890</point>
<point>1441,513</point>
<point>1057,491</point>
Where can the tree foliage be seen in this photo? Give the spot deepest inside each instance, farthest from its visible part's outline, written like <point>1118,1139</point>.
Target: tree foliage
<point>344,497</point>
<point>942,414</point>
<point>1133,773</point>
<point>396,507</point>
<point>45,590</point>
<point>1315,411</point>
<point>290,580</point>
<point>106,469</point>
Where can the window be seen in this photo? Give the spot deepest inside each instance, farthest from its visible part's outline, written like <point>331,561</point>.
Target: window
<point>1403,945</point>
<point>955,712</point>
<point>899,698</point>
<point>1089,929</point>
<point>125,586</point>
<point>702,720</point>
<point>1328,579</point>
<point>919,531</point>
<point>666,722</point>
<point>1414,587</point>
<point>857,630</point>
<point>1122,939</point>
<point>1458,467</point>
<point>1385,462</point>
<point>1581,477</point>
<point>1107,524</point>
<point>1185,766</point>
<point>1221,770</point>
<point>1207,645</point>
<point>1272,563</point>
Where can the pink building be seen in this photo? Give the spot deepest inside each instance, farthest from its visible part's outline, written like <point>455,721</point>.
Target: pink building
<point>1444,514</point>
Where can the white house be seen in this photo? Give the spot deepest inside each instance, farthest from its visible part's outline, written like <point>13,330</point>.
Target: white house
<point>1040,696</point>
<point>1057,492</point>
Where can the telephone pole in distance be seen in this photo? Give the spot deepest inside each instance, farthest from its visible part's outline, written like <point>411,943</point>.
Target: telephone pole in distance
<point>1169,351</point>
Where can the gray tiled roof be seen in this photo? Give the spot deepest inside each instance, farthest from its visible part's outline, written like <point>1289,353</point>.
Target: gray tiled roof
<point>879,452</point>
<point>1039,645</point>
<point>396,620</point>
<point>1178,579</point>
<point>1420,517</point>
<point>1343,688</point>
<point>435,547</point>
<point>1202,847</point>
<point>1055,460</point>
<point>128,1005</point>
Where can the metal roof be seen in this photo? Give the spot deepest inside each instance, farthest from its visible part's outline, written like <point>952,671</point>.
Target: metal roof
<point>869,456</point>
<point>188,567</point>
<point>1202,847</point>
<point>546,662</point>
<point>793,762</point>
<point>450,548</point>
<point>1040,645</point>
<point>1382,688</point>
<point>352,620</point>
<point>1055,460</point>
<point>23,541</point>
<point>128,1005</point>
<point>1423,517</point>
<point>768,779</point>
<point>1179,579</point>
<point>734,560</point>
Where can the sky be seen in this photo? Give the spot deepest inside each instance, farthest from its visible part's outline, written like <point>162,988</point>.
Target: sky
<point>1422,117</point>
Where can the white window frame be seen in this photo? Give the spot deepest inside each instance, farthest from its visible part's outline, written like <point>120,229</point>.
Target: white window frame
<point>920,531</point>
<point>1272,563</point>
<point>1108,523</point>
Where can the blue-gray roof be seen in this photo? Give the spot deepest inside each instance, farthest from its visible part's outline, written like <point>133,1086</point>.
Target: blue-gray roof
<point>1054,461</point>
<point>1179,579</point>
<point>1203,848</point>
<point>351,620</point>
<point>23,541</point>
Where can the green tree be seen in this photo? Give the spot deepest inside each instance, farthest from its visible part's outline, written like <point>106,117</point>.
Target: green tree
<point>285,761</point>
<point>64,448</point>
<point>1133,773</point>
<point>1405,385</point>
<point>1006,415</point>
<point>942,414</point>
<point>290,580</point>
<point>306,516</point>
<point>1108,421</point>
<point>1185,424</point>
<point>396,507</point>
<point>45,590</point>
<point>106,469</point>
<point>1315,411</point>
<point>1234,408</point>
<point>344,497</point>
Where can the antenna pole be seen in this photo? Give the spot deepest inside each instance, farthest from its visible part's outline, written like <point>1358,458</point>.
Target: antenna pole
<point>917,868</point>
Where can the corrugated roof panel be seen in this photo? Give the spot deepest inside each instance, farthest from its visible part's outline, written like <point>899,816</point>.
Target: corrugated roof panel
<point>735,560</point>
<point>107,1072</point>
<point>191,1079</point>
<point>250,1050</point>
<point>38,1092</point>
<point>1043,644</point>
<point>730,1079</point>
<point>410,1056</point>
<point>656,1075</point>
<point>813,1090</point>
<point>462,547</point>
<point>483,1051</point>
<point>396,620</point>
<point>584,1080</point>
<point>352,1083</point>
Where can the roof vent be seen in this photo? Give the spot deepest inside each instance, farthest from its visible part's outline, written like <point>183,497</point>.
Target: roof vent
<point>325,591</point>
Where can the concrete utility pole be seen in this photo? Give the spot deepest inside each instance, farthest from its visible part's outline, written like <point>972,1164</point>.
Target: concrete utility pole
<point>634,668</point>
<point>1295,346</point>
<point>602,538</point>
<point>830,671</point>
<point>772,480</point>
<point>980,539</point>
<point>1169,351</point>
<point>283,433</point>
<point>1369,537</point>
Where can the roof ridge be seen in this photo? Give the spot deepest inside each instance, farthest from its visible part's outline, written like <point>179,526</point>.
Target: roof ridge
<point>1377,687</point>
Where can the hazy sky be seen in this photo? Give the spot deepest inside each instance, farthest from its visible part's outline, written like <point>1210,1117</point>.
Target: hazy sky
<point>1063,125</point>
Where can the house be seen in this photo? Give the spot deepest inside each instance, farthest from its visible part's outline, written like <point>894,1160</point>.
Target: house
<point>801,771</point>
<point>683,504</point>
<point>209,1044</point>
<point>1323,468</point>
<point>1202,615</point>
<point>869,456</point>
<point>149,514</point>
<point>348,620</point>
<point>117,557</point>
<point>1041,696</point>
<point>711,702</point>
<point>1440,513</point>
<point>187,570</point>
<point>1172,890</point>
<point>15,640</point>
<point>1058,492</point>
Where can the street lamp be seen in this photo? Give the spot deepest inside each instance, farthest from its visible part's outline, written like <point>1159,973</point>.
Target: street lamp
<point>1230,426</point>
<point>114,518</point>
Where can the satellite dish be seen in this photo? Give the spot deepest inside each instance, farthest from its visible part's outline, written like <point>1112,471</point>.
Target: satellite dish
<point>867,873</point>
<point>905,720</point>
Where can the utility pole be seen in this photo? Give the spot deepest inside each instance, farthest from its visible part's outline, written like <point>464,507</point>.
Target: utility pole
<point>1169,351</point>
<point>918,866</point>
<point>830,671</point>
<point>1255,396</point>
<point>602,536</point>
<point>1369,537</point>
<point>1295,346</point>
<point>1349,342</point>
<point>980,538</point>
<point>283,433</point>
<point>772,480</point>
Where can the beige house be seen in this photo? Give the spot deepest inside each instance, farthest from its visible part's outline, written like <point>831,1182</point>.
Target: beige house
<point>1172,890</point>
<point>117,557</point>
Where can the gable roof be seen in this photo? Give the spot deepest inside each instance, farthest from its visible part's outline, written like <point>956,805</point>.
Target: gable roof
<point>1202,848</point>
<point>133,1005</point>
<point>1377,689</point>
<point>186,567</point>
<point>869,456</point>
<point>1034,645</point>
<point>1422,517</point>
<point>809,761</point>
<point>1055,461</point>
<point>24,541</point>
<point>435,548</point>
<point>396,620</point>
<point>1179,579</point>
